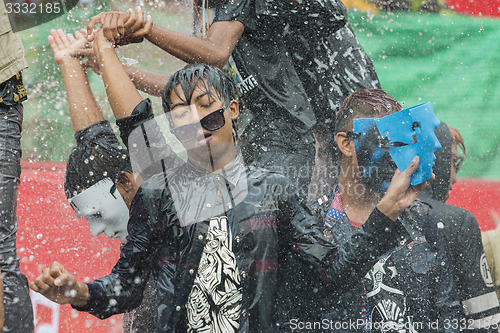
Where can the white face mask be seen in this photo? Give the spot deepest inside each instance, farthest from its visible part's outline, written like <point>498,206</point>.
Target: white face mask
<point>105,212</point>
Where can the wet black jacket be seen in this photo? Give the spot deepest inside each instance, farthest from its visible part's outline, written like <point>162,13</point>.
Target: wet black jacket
<point>269,227</point>
<point>415,275</point>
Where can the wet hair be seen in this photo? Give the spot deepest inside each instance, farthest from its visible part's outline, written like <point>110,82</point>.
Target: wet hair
<point>98,155</point>
<point>363,103</point>
<point>457,139</point>
<point>213,79</point>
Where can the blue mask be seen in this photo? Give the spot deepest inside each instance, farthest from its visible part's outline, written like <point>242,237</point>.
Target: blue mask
<point>410,133</point>
<point>404,134</point>
<point>376,167</point>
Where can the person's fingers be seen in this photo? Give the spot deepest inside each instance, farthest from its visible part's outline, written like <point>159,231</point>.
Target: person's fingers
<point>70,38</point>
<point>114,27</point>
<point>58,37</point>
<point>65,279</point>
<point>79,35</point>
<point>147,27</point>
<point>40,285</point>
<point>83,31</point>
<point>106,22</point>
<point>415,162</point>
<point>55,269</point>
<point>120,25</point>
<point>139,23</point>
<point>418,188</point>
<point>131,19</point>
<point>59,274</point>
<point>66,39</point>
<point>53,44</point>
<point>34,287</point>
<point>93,21</point>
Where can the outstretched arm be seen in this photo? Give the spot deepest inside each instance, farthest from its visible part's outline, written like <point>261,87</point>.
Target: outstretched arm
<point>83,108</point>
<point>215,49</point>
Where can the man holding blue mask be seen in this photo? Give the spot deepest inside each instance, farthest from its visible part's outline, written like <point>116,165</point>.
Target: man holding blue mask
<point>410,288</point>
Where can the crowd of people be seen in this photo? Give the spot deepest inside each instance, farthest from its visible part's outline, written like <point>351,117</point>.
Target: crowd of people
<point>290,193</point>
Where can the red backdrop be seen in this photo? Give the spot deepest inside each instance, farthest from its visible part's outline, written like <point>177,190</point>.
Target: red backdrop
<point>48,231</point>
<point>476,7</point>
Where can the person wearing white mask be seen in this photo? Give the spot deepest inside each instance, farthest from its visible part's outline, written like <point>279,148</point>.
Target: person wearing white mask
<point>99,181</point>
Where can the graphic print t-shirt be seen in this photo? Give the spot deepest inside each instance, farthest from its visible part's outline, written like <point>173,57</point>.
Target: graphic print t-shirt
<point>386,299</point>
<point>214,303</point>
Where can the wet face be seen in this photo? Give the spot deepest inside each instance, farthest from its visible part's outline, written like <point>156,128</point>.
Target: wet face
<point>204,126</point>
<point>105,212</point>
<point>456,162</point>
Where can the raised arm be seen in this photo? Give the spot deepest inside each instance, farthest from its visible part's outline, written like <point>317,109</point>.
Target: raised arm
<point>83,109</point>
<point>122,94</point>
<point>215,49</point>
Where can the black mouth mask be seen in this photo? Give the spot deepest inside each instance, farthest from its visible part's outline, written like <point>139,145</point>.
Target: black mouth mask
<point>376,166</point>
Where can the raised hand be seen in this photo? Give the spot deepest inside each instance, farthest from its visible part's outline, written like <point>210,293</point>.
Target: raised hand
<point>400,194</point>
<point>59,286</point>
<point>121,28</point>
<point>64,45</point>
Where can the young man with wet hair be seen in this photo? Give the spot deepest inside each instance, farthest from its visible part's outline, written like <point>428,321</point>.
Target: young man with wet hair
<point>462,238</point>
<point>215,234</point>
<point>410,288</point>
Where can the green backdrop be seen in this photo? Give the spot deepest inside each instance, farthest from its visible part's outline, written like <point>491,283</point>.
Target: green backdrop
<point>449,60</point>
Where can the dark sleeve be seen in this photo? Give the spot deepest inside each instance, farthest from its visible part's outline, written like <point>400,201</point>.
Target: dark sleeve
<point>464,249</point>
<point>100,133</point>
<point>321,16</point>
<point>143,318</point>
<point>445,307</point>
<point>122,290</point>
<point>341,265</point>
<point>377,236</point>
<point>149,152</point>
<point>141,114</point>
